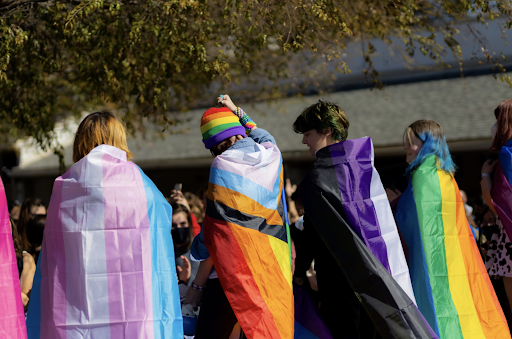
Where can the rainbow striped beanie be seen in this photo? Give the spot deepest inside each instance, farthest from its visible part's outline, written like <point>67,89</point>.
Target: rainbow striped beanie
<point>218,124</point>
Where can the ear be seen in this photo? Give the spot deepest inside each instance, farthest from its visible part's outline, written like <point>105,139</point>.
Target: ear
<point>327,132</point>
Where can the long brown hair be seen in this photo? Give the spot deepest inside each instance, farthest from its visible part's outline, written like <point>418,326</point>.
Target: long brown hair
<point>16,241</point>
<point>503,114</point>
<point>99,128</point>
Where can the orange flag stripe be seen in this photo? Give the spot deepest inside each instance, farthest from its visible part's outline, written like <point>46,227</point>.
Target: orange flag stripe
<point>261,260</point>
<point>242,203</point>
<point>490,314</point>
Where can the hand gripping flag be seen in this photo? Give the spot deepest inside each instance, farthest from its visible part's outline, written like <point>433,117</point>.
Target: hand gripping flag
<point>347,204</point>
<point>450,282</point>
<point>502,187</point>
<point>12,316</point>
<point>247,239</point>
<point>106,268</point>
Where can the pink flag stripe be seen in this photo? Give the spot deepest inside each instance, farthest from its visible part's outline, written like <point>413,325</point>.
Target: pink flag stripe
<point>12,317</point>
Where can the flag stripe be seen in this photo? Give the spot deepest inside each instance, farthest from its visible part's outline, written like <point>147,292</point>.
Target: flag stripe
<point>457,275</point>
<point>366,206</point>
<point>465,302</point>
<point>246,237</point>
<point>435,251</point>
<point>420,278</point>
<point>166,310</point>
<point>243,204</point>
<point>260,247</point>
<point>127,252</point>
<point>246,300</point>
<point>266,198</point>
<point>100,258</point>
<point>355,194</point>
<point>490,316</point>
<point>12,319</point>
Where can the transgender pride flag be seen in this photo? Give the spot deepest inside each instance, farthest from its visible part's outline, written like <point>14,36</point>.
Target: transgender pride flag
<point>106,268</point>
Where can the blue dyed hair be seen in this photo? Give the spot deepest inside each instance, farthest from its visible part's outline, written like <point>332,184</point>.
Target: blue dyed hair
<point>434,142</point>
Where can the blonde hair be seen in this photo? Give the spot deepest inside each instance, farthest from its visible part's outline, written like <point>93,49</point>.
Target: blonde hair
<point>99,128</point>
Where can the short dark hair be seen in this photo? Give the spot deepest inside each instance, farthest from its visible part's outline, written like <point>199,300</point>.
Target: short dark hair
<point>321,116</point>
<point>221,147</point>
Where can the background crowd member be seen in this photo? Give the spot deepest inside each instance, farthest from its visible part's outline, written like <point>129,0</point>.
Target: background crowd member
<point>469,215</point>
<point>26,267</point>
<point>449,278</point>
<point>196,206</point>
<point>498,196</point>
<point>243,231</point>
<point>29,208</point>
<point>15,213</point>
<point>293,213</point>
<point>182,237</point>
<point>108,259</point>
<point>35,231</point>
<point>179,198</point>
<point>348,271</point>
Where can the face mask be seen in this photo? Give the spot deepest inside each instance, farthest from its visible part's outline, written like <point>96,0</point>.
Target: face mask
<point>494,128</point>
<point>180,235</point>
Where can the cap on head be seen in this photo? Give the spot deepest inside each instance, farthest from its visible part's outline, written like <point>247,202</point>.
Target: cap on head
<point>218,124</point>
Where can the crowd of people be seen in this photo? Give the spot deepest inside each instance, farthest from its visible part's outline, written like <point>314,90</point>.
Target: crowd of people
<point>252,255</point>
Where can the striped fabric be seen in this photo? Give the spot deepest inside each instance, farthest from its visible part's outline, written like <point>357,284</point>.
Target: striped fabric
<point>12,316</point>
<point>247,239</point>
<point>450,282</point>
<point>347,205</point>
<point>106,268</point>
<point>502,187</point>
<point>218,124</point>
<point>367,208</point>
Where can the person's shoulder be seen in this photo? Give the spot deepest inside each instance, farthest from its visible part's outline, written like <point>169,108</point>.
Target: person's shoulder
<point>28,261</point>
<point>261,135</point>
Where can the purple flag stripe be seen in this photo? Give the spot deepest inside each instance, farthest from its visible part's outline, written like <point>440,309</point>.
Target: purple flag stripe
<point>354,178</point>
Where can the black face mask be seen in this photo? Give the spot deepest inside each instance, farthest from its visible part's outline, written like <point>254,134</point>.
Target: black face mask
<point>180,235</point>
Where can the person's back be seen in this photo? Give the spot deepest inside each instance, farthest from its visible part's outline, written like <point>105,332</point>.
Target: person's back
<point>244,233</point>
<point>107,263</point>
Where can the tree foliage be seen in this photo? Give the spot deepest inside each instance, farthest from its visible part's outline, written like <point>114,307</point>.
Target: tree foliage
<point>151,59</point>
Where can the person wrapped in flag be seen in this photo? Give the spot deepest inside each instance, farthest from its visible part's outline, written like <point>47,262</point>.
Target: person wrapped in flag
<point>363,278</point>
<point>244,236</point>
<point>498,196</point>
<point>106,268</point>
<point>450,282</point>
<point>12,315</point>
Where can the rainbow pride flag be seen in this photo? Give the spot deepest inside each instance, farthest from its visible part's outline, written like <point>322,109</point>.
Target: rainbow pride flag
<point>106,268</point>
<point>12,316</point>
<point>450,282</point>
<point>248,241</point>
<point>347,205</point>
<point>502,187</point>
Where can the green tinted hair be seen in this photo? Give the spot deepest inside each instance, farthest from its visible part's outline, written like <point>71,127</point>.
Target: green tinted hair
<point>321,116</point>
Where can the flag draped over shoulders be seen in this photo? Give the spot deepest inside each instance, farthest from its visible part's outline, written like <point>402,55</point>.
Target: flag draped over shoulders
<point>248,241</point>
<point>502,187</point>
<point>12,316</point>
<point>106,268</point>
<point>346,202</point>
<point>450,282</point>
